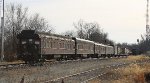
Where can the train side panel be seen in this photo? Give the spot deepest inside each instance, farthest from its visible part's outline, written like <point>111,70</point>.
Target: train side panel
<point>84,46</point>
<point>54,45</point>
<point>100,49</point>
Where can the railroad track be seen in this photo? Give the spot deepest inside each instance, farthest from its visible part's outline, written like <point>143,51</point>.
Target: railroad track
<point>22,65</point>
<point>87,59</point>
<point>86,76</point>
<point>6,66</point>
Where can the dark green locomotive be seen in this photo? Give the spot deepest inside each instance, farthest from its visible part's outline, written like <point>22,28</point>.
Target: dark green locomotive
<point>28,47</point>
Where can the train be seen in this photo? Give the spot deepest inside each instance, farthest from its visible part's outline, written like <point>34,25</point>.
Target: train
<point>34,47</point>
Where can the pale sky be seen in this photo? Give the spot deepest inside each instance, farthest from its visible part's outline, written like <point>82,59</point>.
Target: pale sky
<point>123,20</point>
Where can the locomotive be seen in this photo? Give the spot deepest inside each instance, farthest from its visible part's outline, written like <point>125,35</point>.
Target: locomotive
<point>34,47</point>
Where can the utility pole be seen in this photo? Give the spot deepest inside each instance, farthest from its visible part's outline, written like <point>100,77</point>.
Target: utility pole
<point>2,31</point>
<point>147,22</point>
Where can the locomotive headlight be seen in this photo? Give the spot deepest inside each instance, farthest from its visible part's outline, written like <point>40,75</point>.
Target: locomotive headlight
<point>37,42</point>
<point>23,42</point>
<point>30,40</point>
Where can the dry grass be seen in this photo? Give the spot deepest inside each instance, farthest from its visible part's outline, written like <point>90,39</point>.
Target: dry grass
<point>134,73</point>
<point>139,57</point>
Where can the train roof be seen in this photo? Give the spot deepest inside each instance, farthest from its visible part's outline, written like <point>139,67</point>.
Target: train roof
<point>35,34</point>
<point>79,39</point>
<point>54,36</point>
<point>100,44</point>
<point>25,34</point>
<point>103,45</point>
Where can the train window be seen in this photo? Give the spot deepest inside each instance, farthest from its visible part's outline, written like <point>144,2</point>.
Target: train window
<point>51,44</point>
<point>81,46</point>
<point>56,44</point>
<point>65,46</point>
<point>44,44</point>
<point>102,49</point>
<point>61,45</point>
<point>69,46</point>
<point>41,43</point>
<point>47,44</point>
<point>78,46</point>
<point>85,46</point>
<point>88,47</point>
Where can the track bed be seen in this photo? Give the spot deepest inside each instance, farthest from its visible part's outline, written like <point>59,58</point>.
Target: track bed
<point>48,72</point>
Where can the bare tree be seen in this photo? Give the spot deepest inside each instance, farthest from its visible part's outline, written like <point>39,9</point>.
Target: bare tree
<point>38,23</point>
<point>91,31</point>
<point>80,29</point>
<point>85,29</point>
<point>17,19</point>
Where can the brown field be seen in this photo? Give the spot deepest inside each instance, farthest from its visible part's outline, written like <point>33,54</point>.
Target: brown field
<point>133,73</point>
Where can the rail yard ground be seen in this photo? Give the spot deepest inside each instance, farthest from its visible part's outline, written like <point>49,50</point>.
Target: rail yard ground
<point>59,71</point>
